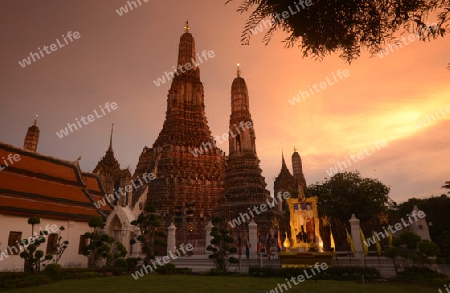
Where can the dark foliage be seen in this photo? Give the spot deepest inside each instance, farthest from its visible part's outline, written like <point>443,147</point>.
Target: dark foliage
<point>422,275</point>
<point>333,273</point>
<point>344,26</point>
<point>221,246</point>
<point>436,209</point>
<point>152,235</point>
<point>101,246</point>
<point>348,193</point>
<point>33,257</point>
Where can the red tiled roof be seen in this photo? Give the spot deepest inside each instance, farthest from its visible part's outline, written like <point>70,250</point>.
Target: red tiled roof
<point>43,186</point>
<point>40,165</point>
<point>96,190</point>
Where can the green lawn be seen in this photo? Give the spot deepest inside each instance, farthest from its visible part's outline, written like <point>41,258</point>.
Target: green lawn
<point>200,284</point>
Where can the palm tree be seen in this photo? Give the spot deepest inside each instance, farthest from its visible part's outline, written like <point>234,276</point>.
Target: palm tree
<point>447,183</point>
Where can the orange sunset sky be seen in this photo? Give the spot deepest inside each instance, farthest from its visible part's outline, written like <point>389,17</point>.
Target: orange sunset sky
<point>117,58</point>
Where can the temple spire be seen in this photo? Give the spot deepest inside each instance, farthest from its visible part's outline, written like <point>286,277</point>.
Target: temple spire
<point>283,162</point>
<point>110,138</point>
<point>239,96</point>
<point>244,183</point>
<point>186,53</point>
<point>32,137</point>
<point>298,169</point>
<point>240,113</point>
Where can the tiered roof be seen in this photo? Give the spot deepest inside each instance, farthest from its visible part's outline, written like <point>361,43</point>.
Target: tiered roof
<point>43,186</point>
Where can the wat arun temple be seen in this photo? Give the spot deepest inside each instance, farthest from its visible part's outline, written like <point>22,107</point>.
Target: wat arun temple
<point>190,189</point>
<point>187,188</point>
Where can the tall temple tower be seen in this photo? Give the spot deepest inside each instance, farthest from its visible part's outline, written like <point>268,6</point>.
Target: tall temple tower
<point>298,170</point>
<point>245,187</point>
<point>188,167</point>
<point>112,176</point>
<point>32,137</point>
<point>284,181</point>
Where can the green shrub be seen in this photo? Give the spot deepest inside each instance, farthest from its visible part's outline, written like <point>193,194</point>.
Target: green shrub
<point>440,260</point>
<point>120,263</point>
<point>183,271</point>
<point>132,262</point>
<point>53,269</point>
<point>168,268</point>
<point>12,280</point>
<point>24,281</point>
<point>422,274</point>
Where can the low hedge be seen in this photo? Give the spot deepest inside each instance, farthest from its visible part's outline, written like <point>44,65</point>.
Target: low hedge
<point>12,280</point>
<point>216,272</point>
<point>421,274</point>
<point>333,273</point>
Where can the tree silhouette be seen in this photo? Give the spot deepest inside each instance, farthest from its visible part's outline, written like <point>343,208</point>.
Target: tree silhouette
<point>152,235</point>
<point>31,255</point>
<point>61,245</point>
<point>221,245</point>
<point>436,208</point>
<point>99,246</point>
<point>348,193</point>
<point>447,183</point>
<point>322,27</point>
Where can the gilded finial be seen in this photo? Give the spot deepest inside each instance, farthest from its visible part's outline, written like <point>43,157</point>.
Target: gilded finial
<point>35,119</point>
<point>238,72</point>
<point>295,149</point>
<point>186,27</point>
<point>79,157</point>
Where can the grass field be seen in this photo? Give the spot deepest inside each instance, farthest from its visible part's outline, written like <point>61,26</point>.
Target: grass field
<point>202,284</point>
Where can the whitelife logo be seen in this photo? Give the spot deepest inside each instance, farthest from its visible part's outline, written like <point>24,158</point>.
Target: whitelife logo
<point>162,261</point>
<point>16,249</point>
<point>76,35</point>
<point>11,158</point>
<point>124,9</point>
<point>318,268</point>
<point>278,16</point>
<point>397,226</point>
<point>89,118</point>
<point>433,117</point>
<point>417,35</point>
<point>341,166</point>
<point>128,188</point>
<point>187,66</point>
<point>208,146</point>
<point>263,207</point>
<point>323,85</point>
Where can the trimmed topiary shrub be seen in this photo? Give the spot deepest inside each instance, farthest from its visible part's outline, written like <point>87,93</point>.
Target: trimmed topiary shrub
<point>132,262</point>
<point>120,263</point>
<point>53,270</point>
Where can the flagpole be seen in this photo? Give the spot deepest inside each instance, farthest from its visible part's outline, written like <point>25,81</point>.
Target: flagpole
<point>348,254</point>
<point>364,274</point>
<point>379,262</point>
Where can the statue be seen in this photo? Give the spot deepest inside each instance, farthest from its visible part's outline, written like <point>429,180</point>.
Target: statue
<point>309,218</point>
<point>299,223</point>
